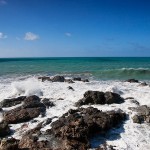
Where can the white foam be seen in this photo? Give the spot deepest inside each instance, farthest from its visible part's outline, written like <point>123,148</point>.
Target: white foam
<point>131,136</point>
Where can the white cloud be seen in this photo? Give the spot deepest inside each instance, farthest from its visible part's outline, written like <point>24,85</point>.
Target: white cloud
<point>31,36</point>
<point>3,2</point>
<point>68,34</point>
<point>2,36</point>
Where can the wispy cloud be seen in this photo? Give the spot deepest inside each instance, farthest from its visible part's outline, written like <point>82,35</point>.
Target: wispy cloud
<point>68,34</point>
<point>31,36</point>
<point>3,2</point>
<point>2,36</point>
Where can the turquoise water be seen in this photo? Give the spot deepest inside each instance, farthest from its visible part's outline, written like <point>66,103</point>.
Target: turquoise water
<point>104,68</point>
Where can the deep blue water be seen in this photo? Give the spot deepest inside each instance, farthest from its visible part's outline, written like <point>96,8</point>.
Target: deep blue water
<point>97,67</point>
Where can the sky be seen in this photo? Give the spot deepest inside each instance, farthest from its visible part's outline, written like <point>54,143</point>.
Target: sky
<point>74,28</point>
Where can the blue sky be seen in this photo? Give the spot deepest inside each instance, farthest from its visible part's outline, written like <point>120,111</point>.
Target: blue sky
<point>51,28</point>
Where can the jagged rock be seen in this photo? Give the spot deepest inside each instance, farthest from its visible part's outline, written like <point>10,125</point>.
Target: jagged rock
<point>12,102</point>
<point>77,79</point>
<point>96,97</point>
<point>132,81</point>
<point>142,114</point>
<point>48,103</point>
<point>19,115</point>
<point>44,78</point>
<point>70,88</point>
<point>9,144</point>
<point>32,102</point>
<point>4,129</point>
<point>69,81</point>
<point>75,128</point>
<point>58,79</point>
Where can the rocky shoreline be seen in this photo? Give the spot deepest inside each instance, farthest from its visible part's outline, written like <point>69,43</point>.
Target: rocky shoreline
<point>73,129</point>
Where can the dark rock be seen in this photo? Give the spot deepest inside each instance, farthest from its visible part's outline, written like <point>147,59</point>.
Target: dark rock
<point>47,121</point>
<point>70,88</point>
<point>48,103</point>
<point>96,97</point>
<point>9,144</point>
<point>4,129</point>
<point>143,114</point>
<point>85,80</point>
<point>75,128</point>
<point>32,102</point>
<point>44,78</point>
<point>58,79</point>
<point>111,98</point>
<point>132,81</point>
<point>19,115</point>
<point>60,99</point>
<point>129,98</point>
<point>77,79</point>
<point>69,81</point>
<point>12,102</point>
<point>105,147</point>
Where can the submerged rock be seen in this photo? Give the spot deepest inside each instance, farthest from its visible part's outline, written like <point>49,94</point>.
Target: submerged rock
<point>44,78</point>
<point>12,102</point>
<point>69,81</point>
<point>70,88</point>
<point>4,129</point>
<point>77,79</point>
<point>96,97</point>
<point>47,103</point>
<point>75,128</point>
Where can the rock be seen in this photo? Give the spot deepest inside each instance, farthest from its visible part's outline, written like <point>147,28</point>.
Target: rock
<point>69,81</point>
<point>58,79</point>
<point>143,84</point>
<point>60,99</point>
<point>137,119</point>
<point>12,102</point>
<point>77,79</point>
<point>129,98</point>
<point>132,81</point>
<point>77,126</point>
<point>9,144</point>
<point>48,103</point>
<point>70,88</point>
<point>105,147</point>
<point>85,80</point>
<point>4,129</point>
<point>96,97</point>
<point>47,121</point>
<point>44,78</point>
<point>111,98</point>
<point>19,115</point>
<point>32,102</point>
<point>142,114</point>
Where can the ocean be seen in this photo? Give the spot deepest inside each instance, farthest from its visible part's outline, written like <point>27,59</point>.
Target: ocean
<point>100,68</point>
<point>19,77</point>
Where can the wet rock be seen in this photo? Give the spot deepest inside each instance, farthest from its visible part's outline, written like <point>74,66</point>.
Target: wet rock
<point>105,147</point>
<point>32,102</point>
<point>129,98</point>
<point>48,103</point>
<point>47,121</point>
<point>77,79</point>
<point>4,129</point>
<point>19,115</point>
<point>96,97</point>
<point>132,81</point>
<point>70,88</point>
<point>44,78</point>
<point>69,81</point>
<point>85,80</point>
<point>58,79</point>
<point>9,144</point>
<point>111,98</point>
<point>142,114</point>
<point>60,99</point>
<point>75,128</point>
<point>12,102</point>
